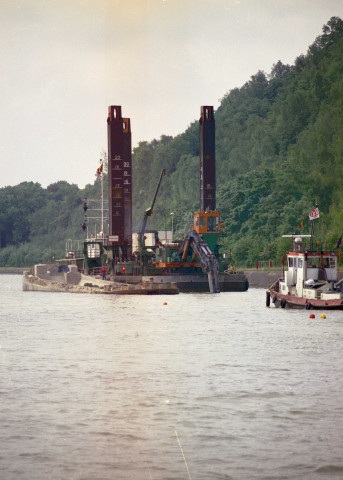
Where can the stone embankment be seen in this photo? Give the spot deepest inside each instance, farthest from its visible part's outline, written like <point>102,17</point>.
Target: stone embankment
<point>12,271</point>
<point>262,279</point>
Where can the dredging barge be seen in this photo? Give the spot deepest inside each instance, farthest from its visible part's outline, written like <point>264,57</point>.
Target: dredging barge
<point>194,264</point>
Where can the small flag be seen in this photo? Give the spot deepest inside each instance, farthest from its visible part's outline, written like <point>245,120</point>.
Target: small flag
<point>339,242</point>
<point>301,224</point>
<point>99,170</point>
<point>314,214</point>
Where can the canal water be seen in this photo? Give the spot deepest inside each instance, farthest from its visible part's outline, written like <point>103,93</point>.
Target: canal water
<point>204,387</point>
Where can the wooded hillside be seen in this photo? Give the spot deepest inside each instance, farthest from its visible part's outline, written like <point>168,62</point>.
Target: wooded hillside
<point>279,149</point>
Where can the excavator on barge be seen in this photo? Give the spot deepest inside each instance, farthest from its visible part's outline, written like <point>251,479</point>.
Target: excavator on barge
<point>196,263</point>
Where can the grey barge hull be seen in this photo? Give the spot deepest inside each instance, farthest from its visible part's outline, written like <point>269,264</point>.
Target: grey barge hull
<point>199,282</point>
<point>236,282</point>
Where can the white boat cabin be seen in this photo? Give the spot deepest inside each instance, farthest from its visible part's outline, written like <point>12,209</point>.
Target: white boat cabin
<point>310,274</point>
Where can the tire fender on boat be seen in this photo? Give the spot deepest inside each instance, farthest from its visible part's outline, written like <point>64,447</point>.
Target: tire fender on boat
<point>274,298</point>
<point>308,306</point>
<point>268,298</point>
<point>283,303</point>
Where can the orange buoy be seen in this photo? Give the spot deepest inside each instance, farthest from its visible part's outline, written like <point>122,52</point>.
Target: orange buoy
<point>165,303</point>
<point>312,315</point>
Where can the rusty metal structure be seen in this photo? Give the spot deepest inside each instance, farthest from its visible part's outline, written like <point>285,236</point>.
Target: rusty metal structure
<point>119,183</point>
<point>127,184</point>
<point>207,160</point>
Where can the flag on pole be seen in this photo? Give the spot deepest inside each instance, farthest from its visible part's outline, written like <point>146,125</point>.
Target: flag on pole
<point>339,242</point>
<point>301,224</point>
<point>99,170</point>
<point>283,258</point>
<point>314,214</point>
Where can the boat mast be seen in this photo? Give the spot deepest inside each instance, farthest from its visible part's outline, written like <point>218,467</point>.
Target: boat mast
<point>312,235</point>
<point>312,229</point>
<point>102,203</point>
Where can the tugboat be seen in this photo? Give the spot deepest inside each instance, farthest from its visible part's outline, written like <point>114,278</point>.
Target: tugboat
<point>311,281</point>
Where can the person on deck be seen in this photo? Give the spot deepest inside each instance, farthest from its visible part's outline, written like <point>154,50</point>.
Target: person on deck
<point>103,273</point>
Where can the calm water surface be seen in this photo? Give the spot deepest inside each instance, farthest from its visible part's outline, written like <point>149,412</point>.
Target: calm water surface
<point>94,387</point>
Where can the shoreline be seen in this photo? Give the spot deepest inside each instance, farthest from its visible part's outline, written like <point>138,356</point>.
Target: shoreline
<point>13,270</point>
<point>256,278</point>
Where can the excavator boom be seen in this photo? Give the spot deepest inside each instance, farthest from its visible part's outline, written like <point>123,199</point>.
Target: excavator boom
<point>208,260</point>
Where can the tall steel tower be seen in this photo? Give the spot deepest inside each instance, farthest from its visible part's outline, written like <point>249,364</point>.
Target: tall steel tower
<point>207,160</point>
<point>119,181</point>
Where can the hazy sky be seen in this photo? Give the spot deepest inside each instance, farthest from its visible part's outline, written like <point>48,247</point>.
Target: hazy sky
<point>64,62</point>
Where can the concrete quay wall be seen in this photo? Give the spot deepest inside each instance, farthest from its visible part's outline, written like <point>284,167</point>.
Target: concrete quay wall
<point>262,279</point>
<point>12,271</point>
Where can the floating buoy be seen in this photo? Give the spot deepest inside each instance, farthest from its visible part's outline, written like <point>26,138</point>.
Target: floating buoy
<point>323,315</point>
<point>165,303</point>
<point>312,315</point>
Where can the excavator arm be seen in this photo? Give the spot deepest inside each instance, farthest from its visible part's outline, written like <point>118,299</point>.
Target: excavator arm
<point>208,260</point>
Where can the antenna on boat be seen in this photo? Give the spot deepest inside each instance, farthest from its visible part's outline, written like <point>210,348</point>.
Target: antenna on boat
<point>184,458</point>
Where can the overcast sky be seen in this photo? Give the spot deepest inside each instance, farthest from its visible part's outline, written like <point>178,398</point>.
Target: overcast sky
<point>64,62</point>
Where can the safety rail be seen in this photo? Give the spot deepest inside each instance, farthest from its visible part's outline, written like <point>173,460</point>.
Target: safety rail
<point>91,271</point>
<point>73,254</point>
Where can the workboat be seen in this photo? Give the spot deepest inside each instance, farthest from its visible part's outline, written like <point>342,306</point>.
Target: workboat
<point>311,280</point>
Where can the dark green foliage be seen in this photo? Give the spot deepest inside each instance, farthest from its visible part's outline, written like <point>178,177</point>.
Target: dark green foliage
<point>17,204</point>
<point>35,223</point>
<point>279,149</point>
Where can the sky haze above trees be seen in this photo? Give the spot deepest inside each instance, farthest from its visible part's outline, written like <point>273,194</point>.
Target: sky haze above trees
<point>64,62</point>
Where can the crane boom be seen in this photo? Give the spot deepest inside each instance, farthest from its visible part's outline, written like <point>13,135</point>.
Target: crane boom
<point>149,211</point>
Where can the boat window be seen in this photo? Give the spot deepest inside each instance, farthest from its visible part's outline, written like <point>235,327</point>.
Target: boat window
<point>332,262</point>
<point>326,262</point>
<point>202,222</point>
<point>212,224</point>
<point>196,221</point>
<point>312,263</point>
<point>300,262</point>
<point>290,262</point>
